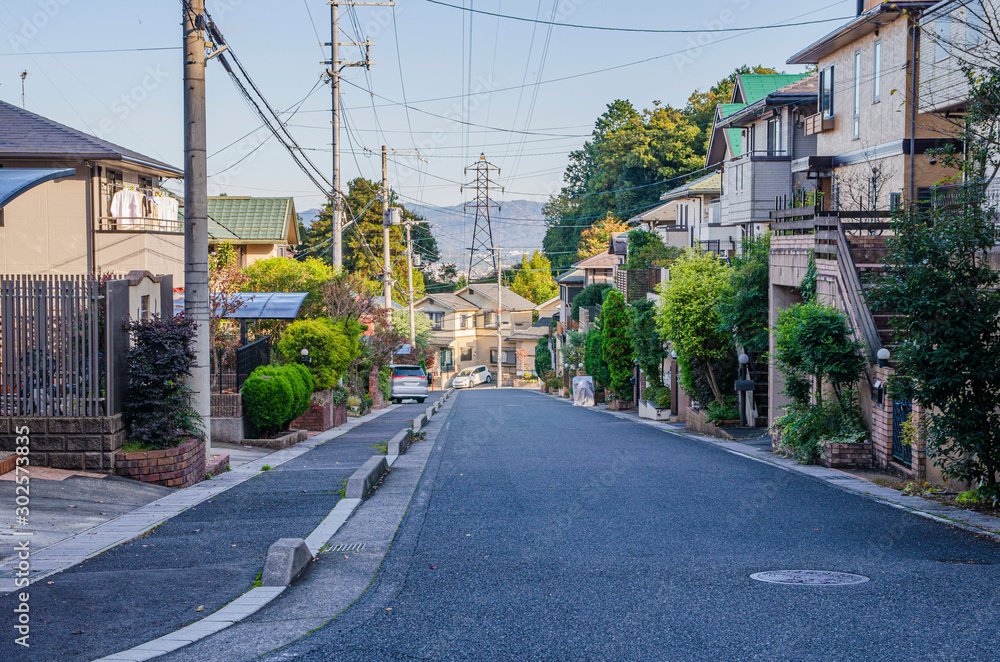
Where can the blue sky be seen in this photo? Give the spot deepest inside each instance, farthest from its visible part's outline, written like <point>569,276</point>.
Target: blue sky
<point>134,98</point>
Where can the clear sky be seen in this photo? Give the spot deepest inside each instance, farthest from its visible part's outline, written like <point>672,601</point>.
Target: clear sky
<point>134,98</point>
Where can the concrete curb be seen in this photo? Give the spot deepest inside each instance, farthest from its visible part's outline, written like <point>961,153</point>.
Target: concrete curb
<point>398,444</point>
<point>419,422</point>
<point>359,484</point>
<point>957,517</point>
<point>286,558</point>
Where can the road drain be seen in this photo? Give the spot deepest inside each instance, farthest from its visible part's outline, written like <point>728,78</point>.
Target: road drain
<point>809,578</point>
<point>965,562</point>
<point>353,547</point>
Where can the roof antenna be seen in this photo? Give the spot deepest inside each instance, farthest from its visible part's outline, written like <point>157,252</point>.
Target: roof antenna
<point>24,74</point>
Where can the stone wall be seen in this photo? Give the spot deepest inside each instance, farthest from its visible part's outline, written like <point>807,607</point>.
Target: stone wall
<point>81,444</point>
<point>181,466</point>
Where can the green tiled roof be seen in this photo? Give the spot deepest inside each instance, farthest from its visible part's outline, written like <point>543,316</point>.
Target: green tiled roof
<point>250,219</point>
<point>727,109</point>
<point>757,86</point>
<point>735,141</point>
<point>706,185</point>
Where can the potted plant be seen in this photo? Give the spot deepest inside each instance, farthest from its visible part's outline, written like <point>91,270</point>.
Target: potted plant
<point>353,403</point>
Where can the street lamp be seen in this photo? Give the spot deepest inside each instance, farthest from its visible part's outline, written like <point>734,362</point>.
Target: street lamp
<point>305,357</point>
<point>883,357</point>
<point>673,354</point>
<point>743,386</point>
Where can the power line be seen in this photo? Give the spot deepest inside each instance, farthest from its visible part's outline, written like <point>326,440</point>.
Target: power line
<point>99,50</point>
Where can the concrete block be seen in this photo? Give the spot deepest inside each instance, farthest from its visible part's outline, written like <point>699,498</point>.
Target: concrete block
<point>359,484</point>
<point>419,422</point>
<point>429,412</point>
<point>399,443</point>
<point>286,558</point>
<point>227,430</point>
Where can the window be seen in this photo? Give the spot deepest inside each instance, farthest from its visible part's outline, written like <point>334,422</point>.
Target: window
<point>465,322</point>
<point>942,39</point>
<point>826,91</point>
<point>447,359</point>
<point>509,356</point>
<point>437,321</point>
<point>466,354</point>
<point>877,73</point>
<point>113,184</point>
<point>144,307</point>
<point>895,200</point>
<point>774,136</point>
<point>974,25</point>
<point>857,94</point>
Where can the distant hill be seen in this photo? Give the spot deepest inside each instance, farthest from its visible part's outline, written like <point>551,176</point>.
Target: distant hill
<point>309,216</point>
<point>518,226</point>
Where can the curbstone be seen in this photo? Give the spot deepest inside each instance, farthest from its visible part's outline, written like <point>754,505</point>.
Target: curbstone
<point>286,558</point>
<point>429,412</point>
<point>359,484</point>
<point>419,422</point>
<point>399,443</point>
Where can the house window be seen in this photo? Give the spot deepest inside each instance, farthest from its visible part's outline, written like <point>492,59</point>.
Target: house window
<point>509,356</point>
<point>974,25</point>
<point>465,322</point>
<point>895,200</point>
<point>437,321</point>
<point>942,39</point>
<point>774,136</point>
<point>857,94</point>
<point>466,353</point>
<point>144,307</point>
<point>877,73</point>
<point>826,91</point>
<point>113,183</point>
<point>447,359</point>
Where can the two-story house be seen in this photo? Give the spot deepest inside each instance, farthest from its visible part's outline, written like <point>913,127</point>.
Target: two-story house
<point>110,215</point>
<point>698,217</point>
<point>260,228</point>
<point>464,325</point>
<point>872,140</point>
<point>760,145</point>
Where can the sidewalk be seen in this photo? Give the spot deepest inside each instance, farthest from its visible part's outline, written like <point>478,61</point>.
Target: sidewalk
<point>759,449</point>
<point>203,554</point>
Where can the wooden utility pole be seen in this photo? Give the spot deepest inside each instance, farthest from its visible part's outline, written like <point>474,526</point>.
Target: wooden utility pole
<point>499,316</point>
<point>386,227</point>
<point>196,297</point>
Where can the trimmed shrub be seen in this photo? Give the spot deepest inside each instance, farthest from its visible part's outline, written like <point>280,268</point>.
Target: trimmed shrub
<point>332,347</point>
<point>659,396</point>
<point>268,401</point>
<point>385,382</point>
<point>301,386</point>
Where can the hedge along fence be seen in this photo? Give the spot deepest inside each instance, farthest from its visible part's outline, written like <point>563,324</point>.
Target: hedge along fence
<point>274,396</point>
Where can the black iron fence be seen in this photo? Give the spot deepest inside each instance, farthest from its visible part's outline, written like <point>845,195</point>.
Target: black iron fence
<point>233,368</point>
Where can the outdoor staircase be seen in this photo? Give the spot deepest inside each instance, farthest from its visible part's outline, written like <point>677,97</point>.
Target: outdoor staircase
<point>868,256</point>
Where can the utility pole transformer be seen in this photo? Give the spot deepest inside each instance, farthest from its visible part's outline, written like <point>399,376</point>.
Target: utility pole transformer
<point>482,250</point>
<point>336,65</point>
<point>196,296</point>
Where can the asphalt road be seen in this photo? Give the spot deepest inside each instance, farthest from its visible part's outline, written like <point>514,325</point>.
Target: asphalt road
<point>204,557</point>
<point>540,531</point>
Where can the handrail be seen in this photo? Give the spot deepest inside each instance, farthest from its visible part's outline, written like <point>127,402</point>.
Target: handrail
<point>864,322</point>
<point>139,224</point>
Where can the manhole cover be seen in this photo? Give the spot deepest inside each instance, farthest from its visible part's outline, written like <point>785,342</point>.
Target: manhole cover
<point>809,577</point>
<point>353,547</point>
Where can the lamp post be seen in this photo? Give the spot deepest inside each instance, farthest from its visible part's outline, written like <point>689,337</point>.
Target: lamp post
<point>305,360</point>
<point>883,357</point>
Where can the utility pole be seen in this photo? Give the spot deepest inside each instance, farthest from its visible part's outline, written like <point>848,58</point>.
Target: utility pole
<point>481,251</point>
<point>499,318</point>
<point>409,279</point>
<point>196,297</point>
<point>336,65</point>
<point>386,227</point>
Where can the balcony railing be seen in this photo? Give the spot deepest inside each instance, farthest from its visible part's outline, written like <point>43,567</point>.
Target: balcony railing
<point>139,224</point>
<point>818,124</point>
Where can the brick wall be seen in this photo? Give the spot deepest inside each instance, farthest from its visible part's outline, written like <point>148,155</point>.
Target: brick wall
<point>227,405</point>
<point>847,455</point>
<point>82,444</point>
<point>181,466</point>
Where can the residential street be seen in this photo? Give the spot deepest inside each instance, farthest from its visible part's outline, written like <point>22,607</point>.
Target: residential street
<point>540,531</point>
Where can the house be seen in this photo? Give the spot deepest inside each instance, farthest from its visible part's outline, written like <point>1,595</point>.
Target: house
<point>260,228</point>
<point>871,143</point>
<point>464,328</point>
<point>662,220</point>
<point>599,268</point>
<point>107,214</point>
<point>698,216</point>
<point>760,145</point>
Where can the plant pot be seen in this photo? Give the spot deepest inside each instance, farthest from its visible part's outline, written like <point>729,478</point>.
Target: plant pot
<point>180,466</point>
<point>651,412</point>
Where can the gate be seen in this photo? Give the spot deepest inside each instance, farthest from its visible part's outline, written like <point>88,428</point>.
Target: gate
<point>901,452</point>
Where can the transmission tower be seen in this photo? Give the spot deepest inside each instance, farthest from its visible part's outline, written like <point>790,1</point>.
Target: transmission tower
<point>482,250</point>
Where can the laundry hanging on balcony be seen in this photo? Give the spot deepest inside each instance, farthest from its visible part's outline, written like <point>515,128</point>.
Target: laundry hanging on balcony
<point>127,207</point>
<point>164,207</point>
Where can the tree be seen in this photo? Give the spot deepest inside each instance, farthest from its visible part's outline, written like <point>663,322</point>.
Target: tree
<point>616,346</point>
<point>533,279</point>
<point>688,316</point>
<point>225,279</point>
<point>744,312</point>
<point>283,274</point>
<point>592,295</point>
<point>646,250</point>
<point>333,347</point>
<point>595,239</point>
<point>593,360</point>
<point>649,348</point>
<point>946,297</point>
<point>543,356</point>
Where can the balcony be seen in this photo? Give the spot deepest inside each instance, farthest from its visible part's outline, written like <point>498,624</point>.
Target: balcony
<point>139,224</point>
<point>636,283</point>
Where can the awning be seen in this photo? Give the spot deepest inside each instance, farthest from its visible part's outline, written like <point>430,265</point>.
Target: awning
<point>15,181</point>
<point>259,305</point>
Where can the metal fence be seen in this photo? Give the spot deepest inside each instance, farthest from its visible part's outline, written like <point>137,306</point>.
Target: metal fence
<point>51,353</point>
<point>230,372</point>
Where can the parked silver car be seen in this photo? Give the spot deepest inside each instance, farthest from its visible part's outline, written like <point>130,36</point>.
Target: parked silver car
<point>471,376</point>
<point>409,382</point>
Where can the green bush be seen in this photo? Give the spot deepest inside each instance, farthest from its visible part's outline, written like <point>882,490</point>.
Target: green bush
<point>332,347</point>
<point>592,295</point>
<point>717,412</point>
<point>367,401</point>
<point>659,396</point>
<point>805,428</point>
<point>338,395</point>
<point>268,401</point>
<point>298,379</point>
<point>385,382</point>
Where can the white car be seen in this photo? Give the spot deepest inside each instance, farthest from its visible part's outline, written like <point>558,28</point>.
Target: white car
<point>469,377</point>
